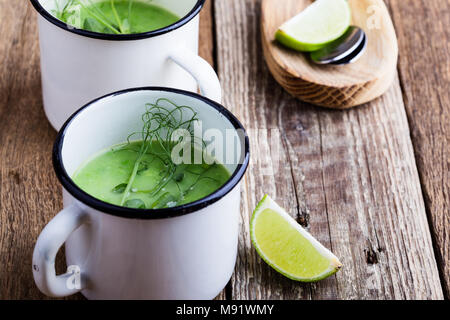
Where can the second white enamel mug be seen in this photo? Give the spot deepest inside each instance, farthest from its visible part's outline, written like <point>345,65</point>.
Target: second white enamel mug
<point>78,65</point>
<point>184,252</point>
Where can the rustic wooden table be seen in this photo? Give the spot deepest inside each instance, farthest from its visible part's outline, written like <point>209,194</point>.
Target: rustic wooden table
<point>371,183</point>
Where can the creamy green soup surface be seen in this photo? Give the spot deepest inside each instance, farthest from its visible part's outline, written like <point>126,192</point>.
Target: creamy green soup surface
<point>106,175</point>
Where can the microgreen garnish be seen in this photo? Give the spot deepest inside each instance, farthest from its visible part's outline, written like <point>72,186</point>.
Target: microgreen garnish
<point>161,120</point>
<point>164,200</point>
<point>96,20</point>
<point>158,138</point>
<point>119,188</point>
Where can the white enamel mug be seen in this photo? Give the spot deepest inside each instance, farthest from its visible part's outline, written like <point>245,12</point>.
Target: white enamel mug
<point>78,65</point>
<point>184,252</point>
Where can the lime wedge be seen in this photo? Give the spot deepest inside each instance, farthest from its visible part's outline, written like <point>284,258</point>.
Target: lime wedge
<point>316,26</point>
<point>287,247</point>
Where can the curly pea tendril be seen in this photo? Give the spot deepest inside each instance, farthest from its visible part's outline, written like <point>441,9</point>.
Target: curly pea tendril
<point>159,126</point>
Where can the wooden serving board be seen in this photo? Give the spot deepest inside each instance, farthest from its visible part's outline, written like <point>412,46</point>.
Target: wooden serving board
<point>332,86</point>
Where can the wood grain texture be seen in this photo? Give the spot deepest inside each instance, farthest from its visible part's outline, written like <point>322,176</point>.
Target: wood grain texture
<point>30,194</point>
<point>424,67</point>
<point>338,87</point>
<point>206,34</point>
<point>348,176</point>
<point>206,51</point>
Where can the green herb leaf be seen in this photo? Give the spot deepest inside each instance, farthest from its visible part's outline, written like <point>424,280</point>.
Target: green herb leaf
<point>135,203</point>
<point>160,121</point>
<point>111,31</point>
<point>119,188</point>
<point>143,166</point>
<point>164,200</point>
<point>178,177</point>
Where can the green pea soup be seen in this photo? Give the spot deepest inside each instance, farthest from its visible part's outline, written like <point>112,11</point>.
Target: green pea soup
<point>106,175</point>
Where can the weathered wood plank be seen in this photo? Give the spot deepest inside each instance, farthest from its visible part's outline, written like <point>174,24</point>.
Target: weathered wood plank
<point>30,194</point>
<point>206,35</point>
<point>349,176</point>
<point>206,51</point>
<point>424,67</point>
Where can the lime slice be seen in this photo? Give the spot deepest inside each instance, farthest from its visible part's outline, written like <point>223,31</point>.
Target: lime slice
<point>316,26</point>
<point>287,247</point>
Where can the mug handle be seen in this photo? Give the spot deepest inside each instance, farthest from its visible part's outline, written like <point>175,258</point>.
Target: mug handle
<point>49,242</point>
<point>202,72</point>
